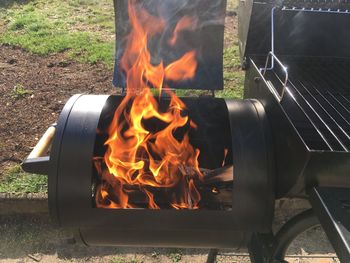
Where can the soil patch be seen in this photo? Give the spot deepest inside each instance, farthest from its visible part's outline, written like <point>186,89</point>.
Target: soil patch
<point>33,91</point>
<point>231,29</point>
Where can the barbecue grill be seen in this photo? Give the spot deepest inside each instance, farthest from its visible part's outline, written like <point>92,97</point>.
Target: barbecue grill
<point>296,58</point>
<point>289,137</point>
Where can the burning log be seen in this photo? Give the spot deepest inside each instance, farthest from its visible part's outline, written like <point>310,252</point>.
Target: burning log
<point>223,174</point>
<point>214,187</point>
<point>220,175</point>
<point>211,197</point>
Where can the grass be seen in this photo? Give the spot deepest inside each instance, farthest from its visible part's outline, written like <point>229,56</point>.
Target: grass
<point>232,5</point>
<point>50,27</point>
<point>15,180</point>
<point>233,76</point>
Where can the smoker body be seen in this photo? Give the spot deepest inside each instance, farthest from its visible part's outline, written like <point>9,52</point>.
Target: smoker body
<point>70,182</point>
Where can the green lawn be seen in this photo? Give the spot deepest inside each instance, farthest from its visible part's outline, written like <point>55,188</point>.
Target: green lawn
<point>14,180</point>
<point>83,30</point>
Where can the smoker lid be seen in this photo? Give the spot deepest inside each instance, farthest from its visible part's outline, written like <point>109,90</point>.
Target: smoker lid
<point>301,28</point>
<point>206,36</point>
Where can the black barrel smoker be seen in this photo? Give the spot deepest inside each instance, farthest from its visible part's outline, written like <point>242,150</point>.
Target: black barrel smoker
<point>289,137</point>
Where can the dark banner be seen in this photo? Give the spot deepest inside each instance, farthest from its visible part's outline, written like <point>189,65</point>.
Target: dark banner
<point>187,26</point>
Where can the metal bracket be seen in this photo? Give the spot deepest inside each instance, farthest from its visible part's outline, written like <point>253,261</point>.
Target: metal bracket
<point>274,58</point>
<point>36,162</point>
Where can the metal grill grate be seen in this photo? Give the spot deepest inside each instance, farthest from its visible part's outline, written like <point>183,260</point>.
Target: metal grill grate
<point>317,100</point>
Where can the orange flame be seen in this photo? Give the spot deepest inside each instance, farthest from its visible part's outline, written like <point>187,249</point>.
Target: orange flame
<point>185,22</point>
<point>138,160</point>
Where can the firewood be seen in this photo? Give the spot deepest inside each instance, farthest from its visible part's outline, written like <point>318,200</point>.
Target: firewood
<point>220,175</point>
<point>215,188</point>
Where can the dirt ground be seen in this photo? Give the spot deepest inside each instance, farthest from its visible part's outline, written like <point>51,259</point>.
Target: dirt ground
<point>33,91</point>
<point>35,239</point>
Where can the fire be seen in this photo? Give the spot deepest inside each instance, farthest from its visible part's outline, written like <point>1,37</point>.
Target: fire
<point>184,23</point>
<point>141,161</point>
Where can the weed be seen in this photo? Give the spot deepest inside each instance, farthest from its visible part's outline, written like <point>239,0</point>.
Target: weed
<point>175,256</point>
<point>19,91</point>
<point>155,254</point>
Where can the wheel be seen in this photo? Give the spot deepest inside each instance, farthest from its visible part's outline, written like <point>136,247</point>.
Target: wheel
<point>289,232</point>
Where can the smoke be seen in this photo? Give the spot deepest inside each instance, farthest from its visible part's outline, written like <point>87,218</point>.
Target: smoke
<point>190,25</point>
<point>207,11</point>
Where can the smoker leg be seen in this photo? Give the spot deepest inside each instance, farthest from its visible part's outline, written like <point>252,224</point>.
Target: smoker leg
<point>260,247</point>
<point>289,232</point>
<point>212,255</point>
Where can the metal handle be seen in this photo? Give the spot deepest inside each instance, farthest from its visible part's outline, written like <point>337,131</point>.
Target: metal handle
<point>37,162</point>
<point>271,54</point>
<point>284,69</point>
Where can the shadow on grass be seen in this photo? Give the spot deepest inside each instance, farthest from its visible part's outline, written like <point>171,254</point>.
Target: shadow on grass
<point>9,3</point>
